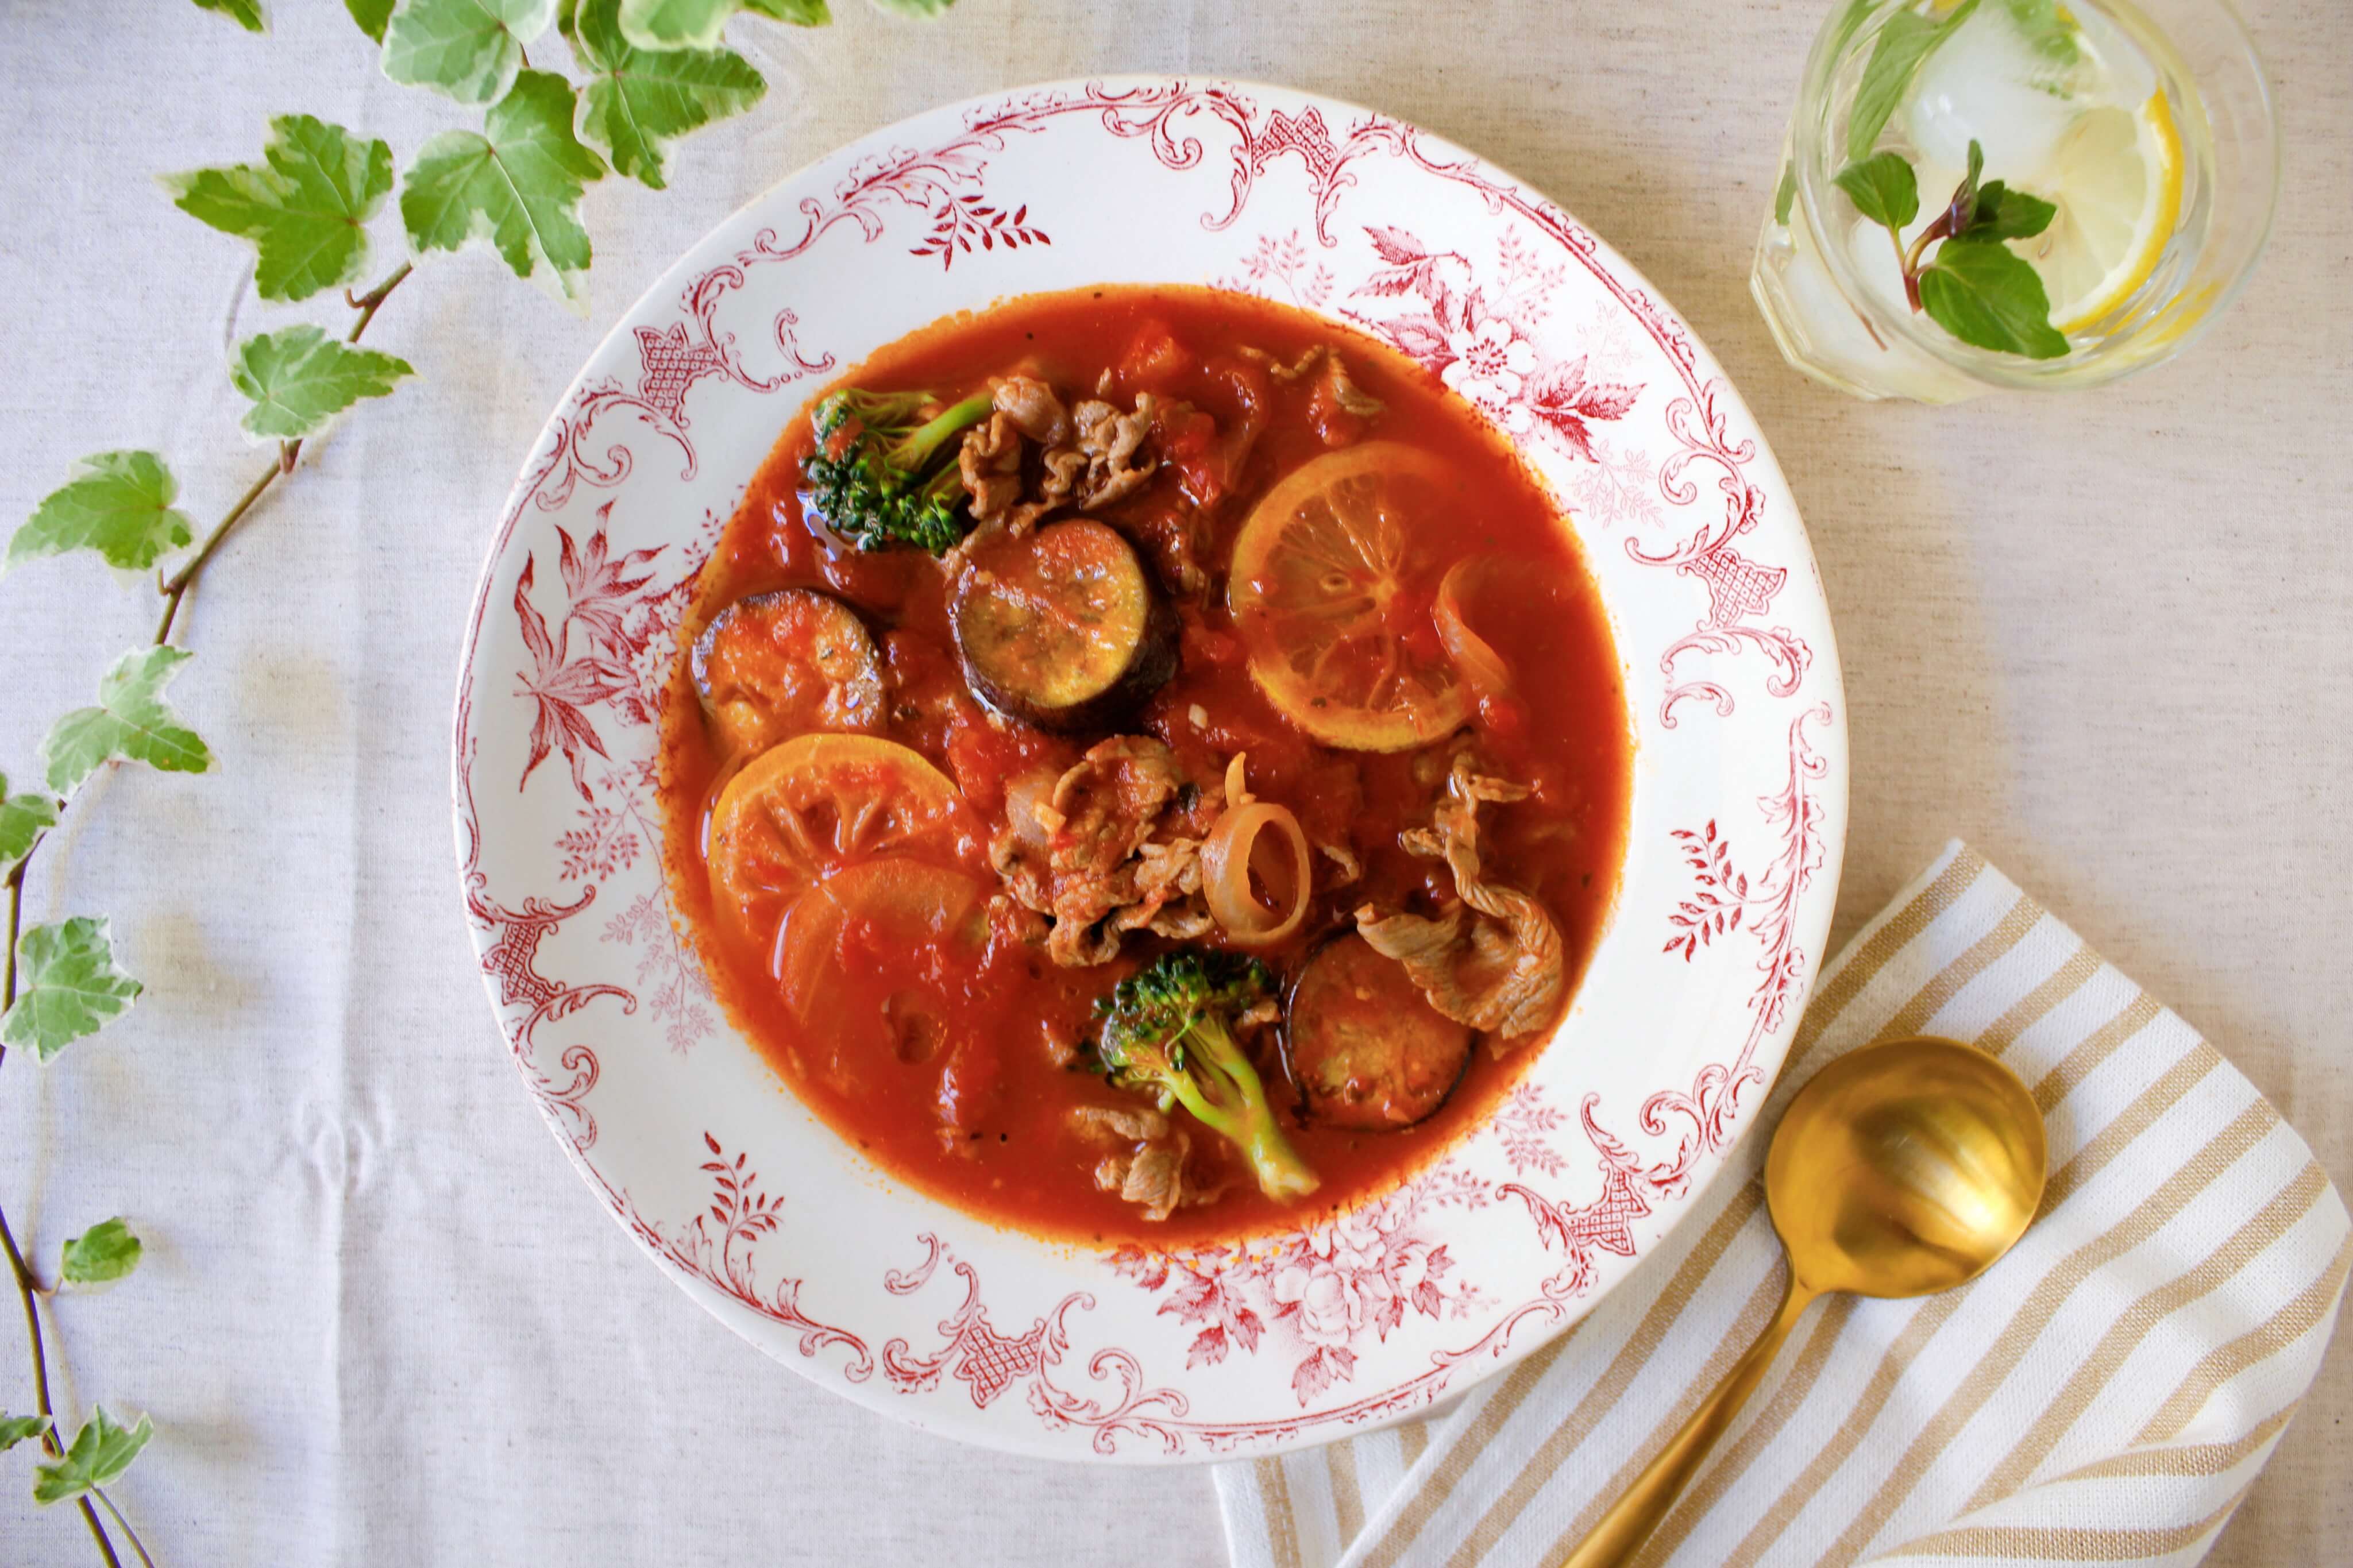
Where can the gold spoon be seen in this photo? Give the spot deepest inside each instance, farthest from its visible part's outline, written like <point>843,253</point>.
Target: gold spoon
<point>1902,1169</point>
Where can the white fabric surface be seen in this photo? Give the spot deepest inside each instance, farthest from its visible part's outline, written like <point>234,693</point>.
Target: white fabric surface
<point>381,1321</point>
<point>2107,1393</point>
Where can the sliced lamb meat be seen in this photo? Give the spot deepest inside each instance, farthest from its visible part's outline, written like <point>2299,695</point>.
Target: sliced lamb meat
<point>1118,465</point>
<point>1032,406</point>
<point>1102,852</point>
<point>1110,800</point>
<point>989,462</point>
<point>1143,1159</point>
<point>1499,970</point>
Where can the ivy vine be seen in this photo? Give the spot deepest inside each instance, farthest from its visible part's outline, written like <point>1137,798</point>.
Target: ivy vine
<point>647,72</point>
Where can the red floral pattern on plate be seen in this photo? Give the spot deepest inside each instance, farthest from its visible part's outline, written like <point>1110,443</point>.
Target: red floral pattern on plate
<point>1141,1353</point>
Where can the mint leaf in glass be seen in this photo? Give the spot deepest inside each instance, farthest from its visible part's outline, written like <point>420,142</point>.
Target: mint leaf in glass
<point>2004,214</point>
<point>639,99</point>
<point>469,50</point>
<point>106,1251</point>
<point>117,503</point>
<point>1962,209</point>
<point>2047,30</point>
<point>305,209</point>
<point>14,1429</point>
<point>1786,198</point>
<point>1985,293</point>
<point>299,379</point>
<point>519,185</point>
<point>23,819</point>
<point>1883,188</point>
<point>1905,39</point>
<point>130,721</point>
<point>71,986</point>
<point>100,1453</point>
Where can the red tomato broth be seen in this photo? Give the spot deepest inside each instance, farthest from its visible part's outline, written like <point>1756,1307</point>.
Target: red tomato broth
<point>1011,1157</point>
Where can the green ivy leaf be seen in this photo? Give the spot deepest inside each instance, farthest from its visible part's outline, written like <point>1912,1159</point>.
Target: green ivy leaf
<point>1905,40</point>
<point>519,186</point>
<point>106,1251</point>
<point>469,50</point>
<point>131,721</point>
<point>306,211</point>
<point>14,1429</point>
<point>1786,198</point>
<point>1882,189</point>
<point>699,23</point>
<point>71,986</point>
<point>23,819</point>
<point>299,379</point>
<point>1983,292</point>
<point>117,503</point>
<point>371,15</point>
<point>100,1453</point>
<point>915,8</point>
<point>2004,214</point>
<point>640,98</point>
<point>246,13</point>
<point>676,23</point>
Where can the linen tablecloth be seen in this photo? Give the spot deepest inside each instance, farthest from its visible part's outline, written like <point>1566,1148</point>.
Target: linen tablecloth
<point>2105,638</point>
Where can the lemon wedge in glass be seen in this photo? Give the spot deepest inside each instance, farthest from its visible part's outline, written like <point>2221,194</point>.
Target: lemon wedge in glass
<point>2117,177</point>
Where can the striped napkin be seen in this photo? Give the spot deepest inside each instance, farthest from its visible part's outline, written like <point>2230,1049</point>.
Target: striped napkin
<point>2108,1393</point>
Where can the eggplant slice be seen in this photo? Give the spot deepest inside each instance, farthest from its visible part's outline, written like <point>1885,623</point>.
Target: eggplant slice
<point>777,665</point>
<point>1063,628</point>
<point>1366,1047</point>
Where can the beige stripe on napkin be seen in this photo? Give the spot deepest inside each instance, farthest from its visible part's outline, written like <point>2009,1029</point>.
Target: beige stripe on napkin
<point>2107,1394</point>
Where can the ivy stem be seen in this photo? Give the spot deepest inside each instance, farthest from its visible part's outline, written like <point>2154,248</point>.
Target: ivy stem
<point>372,301</point>
<point>176,587</point>
<point>123,1524</point>
<point>25,1288</point>
<point>16,916</point>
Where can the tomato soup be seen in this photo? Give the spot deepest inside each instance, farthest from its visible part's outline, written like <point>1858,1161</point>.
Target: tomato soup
<point>1150,764</point>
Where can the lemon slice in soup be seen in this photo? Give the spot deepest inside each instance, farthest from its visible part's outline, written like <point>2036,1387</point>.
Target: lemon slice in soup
<point>815,803</point>
<point>1326,592</point>
<point>908,906</point>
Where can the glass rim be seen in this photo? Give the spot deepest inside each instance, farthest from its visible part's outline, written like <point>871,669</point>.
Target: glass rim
<point>2008,371</point>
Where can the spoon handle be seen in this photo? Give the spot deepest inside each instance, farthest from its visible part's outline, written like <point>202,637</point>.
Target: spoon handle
<point>1621,1532</point>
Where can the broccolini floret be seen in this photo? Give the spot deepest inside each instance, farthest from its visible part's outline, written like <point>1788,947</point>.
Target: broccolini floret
<point>1169,1028</point>
<point>884,476</point>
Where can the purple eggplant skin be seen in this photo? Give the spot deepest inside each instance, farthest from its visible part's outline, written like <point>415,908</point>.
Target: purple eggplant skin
<point>1092,681</point>
<point>1366,1049</point>
<point>772,665</point>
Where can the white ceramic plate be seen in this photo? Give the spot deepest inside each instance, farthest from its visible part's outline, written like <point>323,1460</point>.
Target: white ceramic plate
<point>749,1202</point>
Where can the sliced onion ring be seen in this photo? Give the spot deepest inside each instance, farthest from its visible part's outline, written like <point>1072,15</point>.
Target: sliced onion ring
<point>1226,873</point>
<point>1475,657</point>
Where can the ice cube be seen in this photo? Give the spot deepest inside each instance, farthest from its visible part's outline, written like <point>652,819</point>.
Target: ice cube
<point>1987,83</point>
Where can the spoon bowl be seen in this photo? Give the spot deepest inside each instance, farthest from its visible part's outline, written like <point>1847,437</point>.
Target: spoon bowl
<point>1905,1168</point>
<point>1901,1169</point>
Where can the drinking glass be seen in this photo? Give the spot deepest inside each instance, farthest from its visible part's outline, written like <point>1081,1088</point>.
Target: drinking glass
<point>1830,283</point>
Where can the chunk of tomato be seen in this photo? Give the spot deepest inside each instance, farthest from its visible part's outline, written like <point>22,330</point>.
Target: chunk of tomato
<point>1154,360</point>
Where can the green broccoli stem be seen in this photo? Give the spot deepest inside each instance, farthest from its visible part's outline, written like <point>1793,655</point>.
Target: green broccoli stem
<point>914,449</point>
<point>1247,1121</point>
